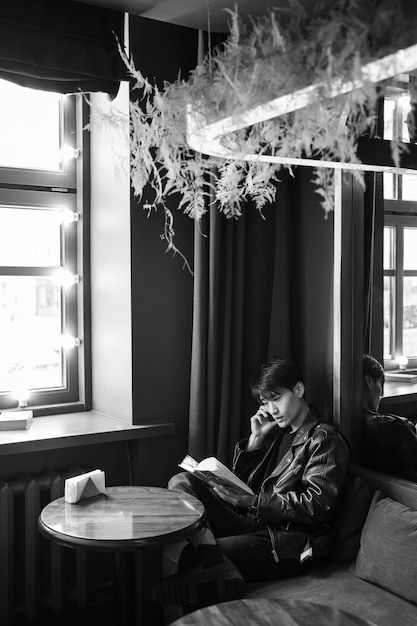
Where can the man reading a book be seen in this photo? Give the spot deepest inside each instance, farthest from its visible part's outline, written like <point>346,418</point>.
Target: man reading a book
<point>296,467</point>
<point>389,442</point>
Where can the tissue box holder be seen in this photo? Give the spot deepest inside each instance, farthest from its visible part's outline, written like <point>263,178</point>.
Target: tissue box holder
<point>84,486</point>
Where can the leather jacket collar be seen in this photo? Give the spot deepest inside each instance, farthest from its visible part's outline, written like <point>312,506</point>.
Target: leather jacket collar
<point>310,422</point>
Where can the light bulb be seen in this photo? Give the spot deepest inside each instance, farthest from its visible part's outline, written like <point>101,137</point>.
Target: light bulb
<point>61,278</point>
<point>68,217</point>
<point>68,342</point>
<point>68,152</point>
<point>402,362</point>
<point>22,396</point>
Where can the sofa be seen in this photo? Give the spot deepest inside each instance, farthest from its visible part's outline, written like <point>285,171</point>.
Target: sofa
<point>372,571</point>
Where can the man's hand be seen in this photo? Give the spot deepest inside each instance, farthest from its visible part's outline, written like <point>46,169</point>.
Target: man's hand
<point>261,424</point>
<point>244,500</point>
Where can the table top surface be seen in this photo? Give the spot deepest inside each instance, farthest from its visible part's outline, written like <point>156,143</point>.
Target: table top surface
<point>124,518</point>
<point>279,612</point>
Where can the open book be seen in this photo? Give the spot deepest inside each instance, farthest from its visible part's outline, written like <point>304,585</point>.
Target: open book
<point>214,473</point>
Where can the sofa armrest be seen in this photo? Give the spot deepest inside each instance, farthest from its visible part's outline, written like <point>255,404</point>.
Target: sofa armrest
<point>396,488</point>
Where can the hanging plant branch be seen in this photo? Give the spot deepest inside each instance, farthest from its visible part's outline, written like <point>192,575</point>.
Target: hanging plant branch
<point>284,51</point>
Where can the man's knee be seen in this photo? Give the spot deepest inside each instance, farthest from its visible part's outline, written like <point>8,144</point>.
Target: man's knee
<point>182,482</point>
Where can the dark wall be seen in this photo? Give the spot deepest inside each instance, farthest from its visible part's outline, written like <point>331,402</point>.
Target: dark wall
<point>162,289</point>
<point>312,290</point>
<point>113,458</point>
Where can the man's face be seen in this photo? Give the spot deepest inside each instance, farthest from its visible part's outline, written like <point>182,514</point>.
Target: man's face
<point>374,390</point>
<point>286,408</point>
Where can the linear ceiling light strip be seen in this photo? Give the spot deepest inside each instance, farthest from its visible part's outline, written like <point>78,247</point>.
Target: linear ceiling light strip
<point>206,138</point>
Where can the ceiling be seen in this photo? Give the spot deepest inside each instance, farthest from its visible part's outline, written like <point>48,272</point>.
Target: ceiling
<point>194,13</point>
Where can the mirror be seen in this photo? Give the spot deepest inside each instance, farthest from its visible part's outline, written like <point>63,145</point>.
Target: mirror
<point>389,440</point>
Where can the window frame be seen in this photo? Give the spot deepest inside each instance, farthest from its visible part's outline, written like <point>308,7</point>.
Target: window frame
<point>68,188</point>
<point>395,92</point>
<point>399,214</point>
<point>67,176</point>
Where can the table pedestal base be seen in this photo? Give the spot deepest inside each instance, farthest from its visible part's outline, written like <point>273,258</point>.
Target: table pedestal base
<point>134,575</point>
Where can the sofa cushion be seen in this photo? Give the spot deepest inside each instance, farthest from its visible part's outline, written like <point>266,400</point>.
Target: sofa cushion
<point>333,584</point>
<point>350,520</point>
<point>388,547</point>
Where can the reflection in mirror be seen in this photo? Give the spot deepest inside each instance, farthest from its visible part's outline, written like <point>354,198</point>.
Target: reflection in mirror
<point>400,230</point>
<point>389,442</point>
<point>389,414</point>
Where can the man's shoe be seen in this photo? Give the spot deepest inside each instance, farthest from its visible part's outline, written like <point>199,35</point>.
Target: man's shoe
<point>200,586</point>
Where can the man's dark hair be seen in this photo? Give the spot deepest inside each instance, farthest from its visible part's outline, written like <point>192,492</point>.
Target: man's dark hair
<point>274,377</point>
<point>372,367</point>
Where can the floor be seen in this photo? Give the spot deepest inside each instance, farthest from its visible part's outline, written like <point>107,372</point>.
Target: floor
<point>103,614</point>
<point>101,609</point>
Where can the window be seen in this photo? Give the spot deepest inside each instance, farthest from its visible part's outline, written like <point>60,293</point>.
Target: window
<point>396,112</point>
<point>400,287</point>
<point>400,237</point>
<point>42,219</point>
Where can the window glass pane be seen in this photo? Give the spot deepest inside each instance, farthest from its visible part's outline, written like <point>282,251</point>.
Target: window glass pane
<point>410,316</point>
<point>388,316</point>
<point>389,250</point>
<point>29,237</point>
<point>396,108</point>
<point>388,186</point>
<point>389,112</point>
<point>410,248</point>
<point>29,128</point>
<point>30,329</point>
<point>409,187</point>
<point>404,108</point>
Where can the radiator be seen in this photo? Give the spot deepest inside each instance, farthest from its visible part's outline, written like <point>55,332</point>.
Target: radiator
<point>35,573</point>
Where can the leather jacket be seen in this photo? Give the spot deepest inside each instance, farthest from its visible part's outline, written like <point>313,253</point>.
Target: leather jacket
<point>389,444</point>
<point>298,500</point>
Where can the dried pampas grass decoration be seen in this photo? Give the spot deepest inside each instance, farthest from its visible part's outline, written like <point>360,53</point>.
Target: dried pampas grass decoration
<point>283,51</point>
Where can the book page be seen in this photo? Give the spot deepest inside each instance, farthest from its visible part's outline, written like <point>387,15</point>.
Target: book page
<point>223,473</point>
<point>188,463</point>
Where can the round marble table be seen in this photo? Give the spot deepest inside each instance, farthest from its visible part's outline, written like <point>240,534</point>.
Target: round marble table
<point>261,611</point>
<point>123,520</point>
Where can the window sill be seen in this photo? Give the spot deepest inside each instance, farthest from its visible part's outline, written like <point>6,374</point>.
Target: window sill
<point>395,392</point>
<point>51,432</point>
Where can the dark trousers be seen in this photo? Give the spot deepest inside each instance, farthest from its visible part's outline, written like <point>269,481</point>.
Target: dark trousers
<point>244,540</point>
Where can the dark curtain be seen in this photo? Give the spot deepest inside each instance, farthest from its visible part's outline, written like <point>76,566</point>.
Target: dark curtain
<point>241,318</point>
<point>373,264</point>
<point>241,313</point>
<point>61,46</point>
